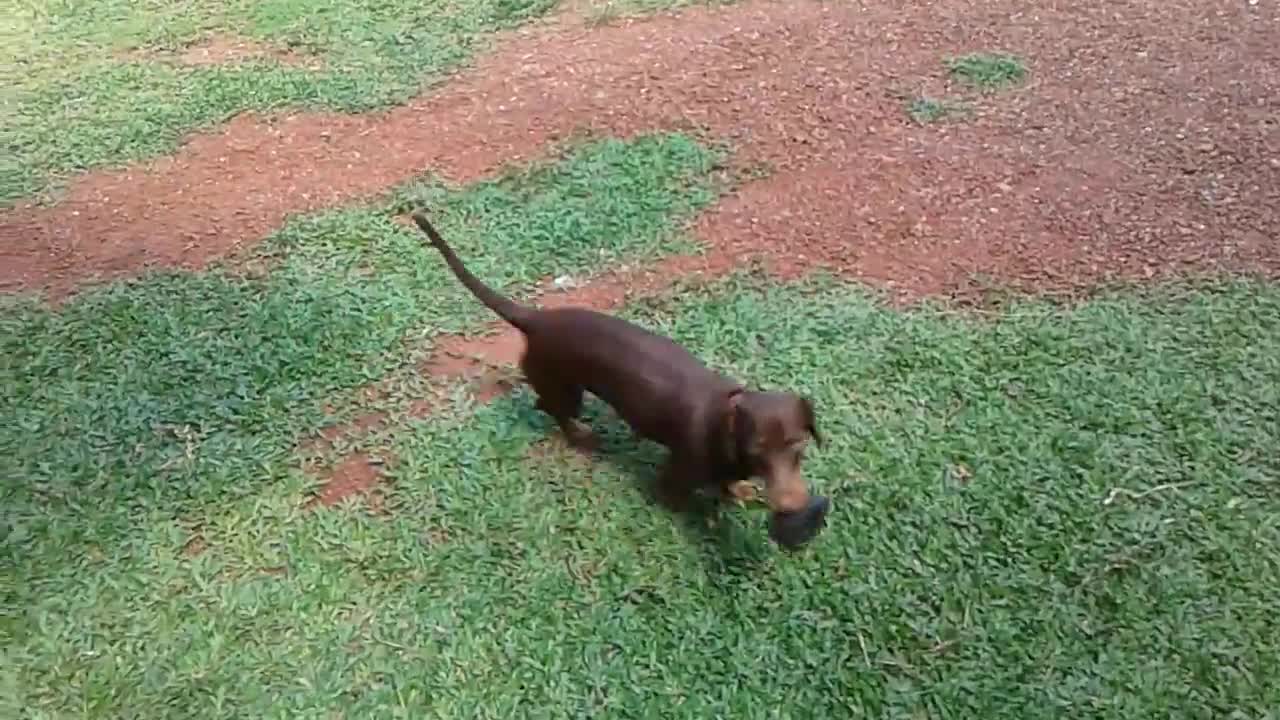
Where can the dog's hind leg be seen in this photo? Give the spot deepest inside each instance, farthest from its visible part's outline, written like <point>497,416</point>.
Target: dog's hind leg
<point>561,400</point>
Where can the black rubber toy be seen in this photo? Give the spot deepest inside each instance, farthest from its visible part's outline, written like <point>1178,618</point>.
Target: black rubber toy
<point>792,530</point>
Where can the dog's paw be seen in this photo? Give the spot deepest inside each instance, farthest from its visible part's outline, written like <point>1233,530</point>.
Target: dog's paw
<point>581,438</point>
<point>742,492</point>
<point>674,500</point>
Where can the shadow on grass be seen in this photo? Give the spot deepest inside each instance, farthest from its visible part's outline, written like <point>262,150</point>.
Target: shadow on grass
<point>731,541</point>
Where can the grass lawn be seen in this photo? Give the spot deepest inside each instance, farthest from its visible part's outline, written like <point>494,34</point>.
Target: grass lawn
<point>1041,511</point>
<point>93,84</point>
<point>111,393</point>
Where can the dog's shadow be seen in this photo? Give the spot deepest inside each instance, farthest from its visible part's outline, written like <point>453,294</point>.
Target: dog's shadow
<point>732,540</point>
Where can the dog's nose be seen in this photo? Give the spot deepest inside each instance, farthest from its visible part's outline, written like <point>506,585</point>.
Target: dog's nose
<point>791,530</point>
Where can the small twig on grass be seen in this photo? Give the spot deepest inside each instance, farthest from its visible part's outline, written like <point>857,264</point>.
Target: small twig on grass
<point>388,643</point>
<point>942,646</point>
<point>1133,495</point>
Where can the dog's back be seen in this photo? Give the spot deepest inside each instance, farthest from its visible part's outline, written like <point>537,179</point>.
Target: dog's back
<point>644,376</point>
<point>650,381</point>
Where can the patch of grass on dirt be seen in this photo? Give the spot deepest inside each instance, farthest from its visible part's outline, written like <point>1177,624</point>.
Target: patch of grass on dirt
<point>81,90</point>
<point>987,71</point>
<point>1062,509</point>
<point>603,12</point>
<point>146,399</point>
<point>926,110</point>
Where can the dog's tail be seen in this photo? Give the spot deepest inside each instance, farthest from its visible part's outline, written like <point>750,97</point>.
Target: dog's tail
<point>508,310</point>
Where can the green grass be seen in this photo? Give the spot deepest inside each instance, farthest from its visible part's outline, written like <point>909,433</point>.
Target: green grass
<point>972,568</point>
<point>925,110</point>
<point>987,71</point>
<point>183,389</point>
<point>604,12</point>
<point>94,84</point>
<point>83,88</point>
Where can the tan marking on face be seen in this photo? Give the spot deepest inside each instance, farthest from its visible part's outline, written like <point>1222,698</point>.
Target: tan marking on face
<point>787,493</point>
<point>780,426</point>
<point>784,483</point>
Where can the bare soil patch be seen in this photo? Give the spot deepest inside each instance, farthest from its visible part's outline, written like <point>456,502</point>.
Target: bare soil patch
<point>353,475</point>
<point>222,49</point>
<point>230,50</point>
<point>1145,142</point>
<point>195,546</point>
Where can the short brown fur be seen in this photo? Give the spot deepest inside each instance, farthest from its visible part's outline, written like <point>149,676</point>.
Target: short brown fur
<point>718,433</point>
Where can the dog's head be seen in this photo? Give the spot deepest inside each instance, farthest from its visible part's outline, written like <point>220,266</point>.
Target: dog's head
<point>768,432</point>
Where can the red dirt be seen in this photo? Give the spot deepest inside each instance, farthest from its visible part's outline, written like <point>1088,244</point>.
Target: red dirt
<point>354,475</point>
<point>195,546</point>
<point>1145,141</point>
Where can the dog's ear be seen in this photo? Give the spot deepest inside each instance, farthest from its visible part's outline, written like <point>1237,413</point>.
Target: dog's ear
<point>810,420</point>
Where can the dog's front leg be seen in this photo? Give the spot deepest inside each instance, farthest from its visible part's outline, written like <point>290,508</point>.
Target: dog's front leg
<point>677,481</point>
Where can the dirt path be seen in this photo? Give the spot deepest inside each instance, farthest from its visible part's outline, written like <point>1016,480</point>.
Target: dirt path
<point>1146,140</point>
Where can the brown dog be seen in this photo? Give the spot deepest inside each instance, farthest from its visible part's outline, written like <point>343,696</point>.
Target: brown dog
<point>719,434</point>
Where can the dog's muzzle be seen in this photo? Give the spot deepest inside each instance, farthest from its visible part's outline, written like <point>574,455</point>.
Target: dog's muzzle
<point>791,530</point>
